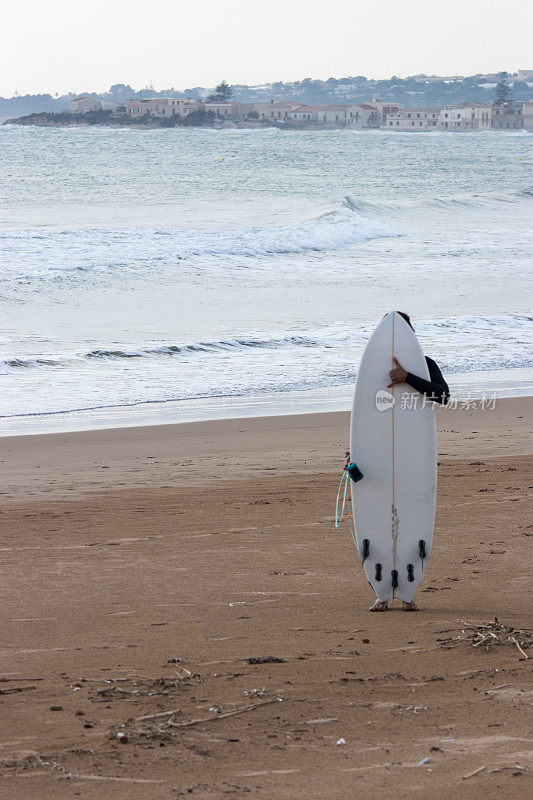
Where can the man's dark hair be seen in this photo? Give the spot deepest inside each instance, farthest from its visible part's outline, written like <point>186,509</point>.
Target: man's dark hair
<point>406,317</point>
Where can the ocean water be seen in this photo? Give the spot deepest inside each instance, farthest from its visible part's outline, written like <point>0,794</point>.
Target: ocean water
<point>153,266</point>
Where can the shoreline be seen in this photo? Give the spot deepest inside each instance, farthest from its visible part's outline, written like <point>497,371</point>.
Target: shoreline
<point>516,382</point>
<point>68,464</point>
<point>249,127</point>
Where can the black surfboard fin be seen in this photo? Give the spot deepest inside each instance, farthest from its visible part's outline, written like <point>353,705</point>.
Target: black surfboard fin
<point>377,576</point>
<point>394,576</point>
<point>410,573</point>
<point>422,549</point>
<point>366,550</point>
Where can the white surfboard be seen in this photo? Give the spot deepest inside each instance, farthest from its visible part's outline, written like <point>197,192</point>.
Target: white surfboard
<point>393,440</point>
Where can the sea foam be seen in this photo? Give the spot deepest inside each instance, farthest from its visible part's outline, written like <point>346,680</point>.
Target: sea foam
<point>47,252</point>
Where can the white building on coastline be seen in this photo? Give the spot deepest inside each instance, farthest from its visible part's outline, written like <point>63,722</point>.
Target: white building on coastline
<point>81,105</point>
<point>356,116</point>
<point>465,117</point>
<point>412,119</point>
<point>305,113</point>
<point>385,109</point>
<point>160,107</point>
<point>220,109</point>
<point>527,117</point>
<point>363,115</point>
<point>333,114</point>
<point>508,116</point>
<point>274,110</point>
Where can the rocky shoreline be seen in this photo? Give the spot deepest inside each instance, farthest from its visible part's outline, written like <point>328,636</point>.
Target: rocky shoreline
<point>77,121</point>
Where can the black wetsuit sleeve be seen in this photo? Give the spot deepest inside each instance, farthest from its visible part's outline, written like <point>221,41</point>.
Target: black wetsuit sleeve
<point>436,388</point>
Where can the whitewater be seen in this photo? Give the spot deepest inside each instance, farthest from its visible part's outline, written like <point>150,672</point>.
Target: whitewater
<point>166,266</point>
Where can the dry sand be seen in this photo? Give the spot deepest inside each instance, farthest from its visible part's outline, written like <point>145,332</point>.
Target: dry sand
<point>144,567</point>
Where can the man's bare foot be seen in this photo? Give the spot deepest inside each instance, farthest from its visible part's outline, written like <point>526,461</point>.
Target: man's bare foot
<point>379,605</point>
<point>412,606</point>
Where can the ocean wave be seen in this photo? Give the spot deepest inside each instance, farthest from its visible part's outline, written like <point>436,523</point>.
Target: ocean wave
<point>25,363</point>
<point>47,253</point>
<point>450,203</point>
<point>244,366</point>
<point>223,345</point>
<point>238,343</point>
<point>493,338</point>
<point>55,252</point>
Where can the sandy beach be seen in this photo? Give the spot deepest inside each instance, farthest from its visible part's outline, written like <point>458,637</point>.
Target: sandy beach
<point>183,586</point>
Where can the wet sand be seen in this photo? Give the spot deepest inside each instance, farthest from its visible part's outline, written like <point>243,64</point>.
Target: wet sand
<point>144,567</point>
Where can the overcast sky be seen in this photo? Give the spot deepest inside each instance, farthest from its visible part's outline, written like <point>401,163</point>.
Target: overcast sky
<point>76,45</point>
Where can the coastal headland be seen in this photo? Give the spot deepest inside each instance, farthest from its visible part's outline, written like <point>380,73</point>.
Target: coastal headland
<point>221,110</point>
<point>181,618</point>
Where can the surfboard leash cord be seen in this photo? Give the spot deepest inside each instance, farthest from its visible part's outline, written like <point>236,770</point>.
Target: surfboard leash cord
<point>345,478</point>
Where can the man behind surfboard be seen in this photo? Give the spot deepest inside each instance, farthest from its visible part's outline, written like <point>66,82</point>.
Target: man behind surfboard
<point>435,389</point>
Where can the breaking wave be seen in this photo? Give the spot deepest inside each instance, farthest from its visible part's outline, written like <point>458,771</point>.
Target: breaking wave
<point>244,366</point>
<point>47,253</point>
<point>194,348</point>
<point>224,345</point>
<point>53,252</point>
<point>30,362</point>
<point>453,203</point>
<point>497,341</point>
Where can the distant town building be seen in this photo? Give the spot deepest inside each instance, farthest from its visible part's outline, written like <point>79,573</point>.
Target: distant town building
<point>220,109</point>
<point>413,119</point>
<point>81,105</point>
<point>361,116</point>
<point>508,116</point>
<point>345,88</point>
<point>188,107</point>
<point>374,114</point>
<point>156,106</point>
<point>527,116</point>
<point>306,113</point>
<point>332,114</point>
<point>274,110</point>
<point>385,109</point>
<point>242,110</point>
<point>465,117</point>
